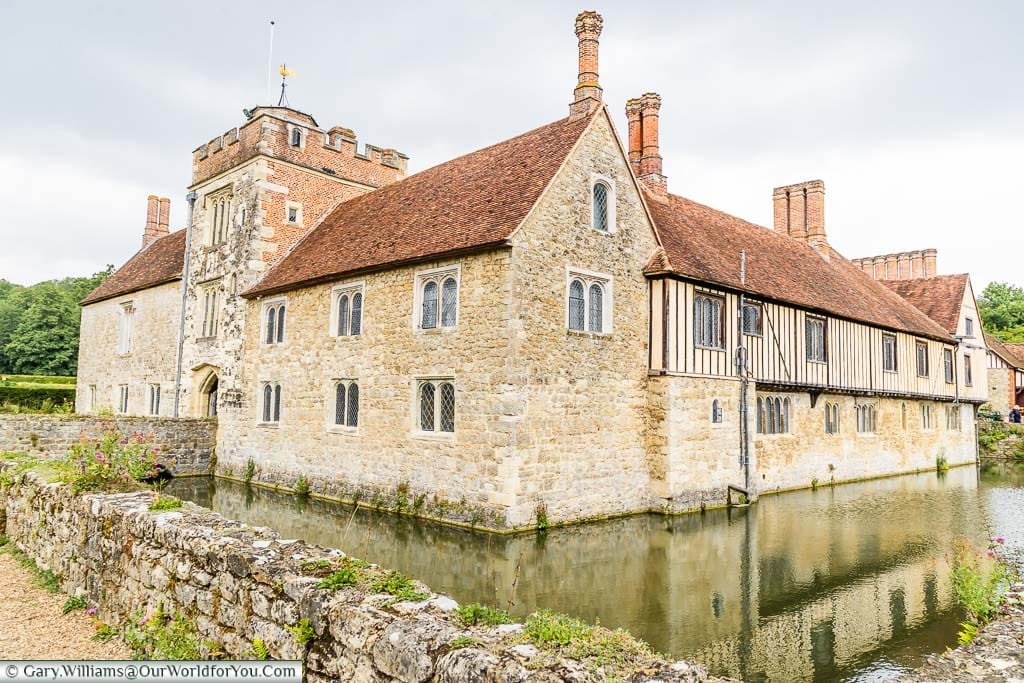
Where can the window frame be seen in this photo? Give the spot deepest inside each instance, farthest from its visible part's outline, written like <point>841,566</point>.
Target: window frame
<point>918,345</point>
<point>810,320</point>
<point>292,130</point>
<point>279,336</point>
<point>886,337</point>
<point>126,311</point>
<point>867,418</point>
<point>969,328</point>
<point>968,371</point>
<point>609,183</point>
<point>209,327</point>
<point>437,381</point>
<point>775,413</point>
<point>219,204</point>
<point>154,399</point>
<point>332,401</point>
<point>288,207</point>
<point>122,399</point>
<point>349,289</point>
<point>589,279</point>
<point>717,413</point>
<point>756,306</point>
<point>954,418</point>
<point>277,401</point>
<point>720,299</point>
<point>927,424</point>
<point>832,419</point>
<point>949,366</point>
<point>437,275</point>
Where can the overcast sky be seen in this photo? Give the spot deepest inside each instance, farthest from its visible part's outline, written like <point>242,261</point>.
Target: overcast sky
<point>912,113</point>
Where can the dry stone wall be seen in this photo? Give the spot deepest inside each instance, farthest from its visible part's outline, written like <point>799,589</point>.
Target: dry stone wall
<point>186,445</point>
<point>241,583</point>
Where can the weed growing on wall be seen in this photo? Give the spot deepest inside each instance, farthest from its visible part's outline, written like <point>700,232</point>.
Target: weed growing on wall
<point>110,461</point>
<point>74,603</point>
<point>567,636</point>
<point>980,582</point>
<point>162,636</point>
<point>303,632</point>
<point>163,503</point>
<point>475,614</point>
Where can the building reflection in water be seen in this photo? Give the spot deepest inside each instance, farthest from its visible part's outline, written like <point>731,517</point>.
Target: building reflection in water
<point>840,583</point>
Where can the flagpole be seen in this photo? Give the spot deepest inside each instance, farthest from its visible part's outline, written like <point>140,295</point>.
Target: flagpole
<point>270,66</point>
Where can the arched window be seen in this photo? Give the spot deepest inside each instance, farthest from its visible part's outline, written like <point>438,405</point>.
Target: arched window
<point>340,394</point>
<point>577,306</point>
<point>449,302</point>
<point>716,411</point>
<point>357,314</point>
<point>596,321</point>
<point>903,414</point>
<point>268,402</point>
<point>343,315</point>
<point>277,403</point>
<point>760,416</point>
<point>600,208</point>
<point>352,416</point>
<point>447,421</point>
<point>427,407</point>
<point>280,324</point>
<point>785,417</point>
<point>428,317</point>
<point>271,323</point>
<point>831,418</point>
<point>773,415</point>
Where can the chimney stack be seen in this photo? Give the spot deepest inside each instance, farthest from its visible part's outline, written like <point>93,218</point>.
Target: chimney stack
<point>800,212</point>
<point>917,265</point>
<point>158,215</point>
<point>633,108</point>
<point>930,258</point>
<point>588,90</point>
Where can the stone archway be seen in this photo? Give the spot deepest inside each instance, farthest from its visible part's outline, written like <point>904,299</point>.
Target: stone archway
<point>206,381</point>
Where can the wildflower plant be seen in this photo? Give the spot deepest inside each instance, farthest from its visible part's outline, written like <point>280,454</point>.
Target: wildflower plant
<point>110,461</point>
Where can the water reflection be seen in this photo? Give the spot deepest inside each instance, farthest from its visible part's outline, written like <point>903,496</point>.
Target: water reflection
<point>845,583</point>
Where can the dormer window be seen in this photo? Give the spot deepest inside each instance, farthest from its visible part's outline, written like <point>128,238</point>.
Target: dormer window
<point>602,203</point>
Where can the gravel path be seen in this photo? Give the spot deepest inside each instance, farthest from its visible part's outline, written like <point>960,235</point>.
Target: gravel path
<point>32,626</point>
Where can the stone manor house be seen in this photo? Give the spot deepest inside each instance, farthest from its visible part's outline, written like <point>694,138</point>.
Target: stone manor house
<point>538,329</point>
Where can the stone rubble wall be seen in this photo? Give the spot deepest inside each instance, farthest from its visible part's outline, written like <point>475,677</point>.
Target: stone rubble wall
<point>1001,440</point>
<point>240,583</point>
<point>187,445</point>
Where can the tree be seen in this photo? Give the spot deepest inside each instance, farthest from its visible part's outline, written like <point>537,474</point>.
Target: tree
<point>1001,306</point>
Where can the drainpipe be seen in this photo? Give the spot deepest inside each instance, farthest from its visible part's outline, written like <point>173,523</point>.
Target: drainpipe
<point>191,199</point>
<point>741,369</point>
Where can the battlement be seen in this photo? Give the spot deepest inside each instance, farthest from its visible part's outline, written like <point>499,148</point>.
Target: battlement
<point>907,265</point>
<point>293,136</point>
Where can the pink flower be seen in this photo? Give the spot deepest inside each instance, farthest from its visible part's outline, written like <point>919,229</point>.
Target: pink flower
<point>1000,540</point>
<point>991,553</point>
<point>91,611</point>
<point>145,621</point>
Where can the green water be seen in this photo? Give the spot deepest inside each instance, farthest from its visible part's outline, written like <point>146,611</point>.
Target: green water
<point>847,583</point>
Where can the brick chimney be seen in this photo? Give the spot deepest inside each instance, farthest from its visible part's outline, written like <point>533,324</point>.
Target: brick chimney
<point>800,213</point>
<point>930,258</point>
<point>588,90</point>
<point>636,143</point>
<point>158,214</point>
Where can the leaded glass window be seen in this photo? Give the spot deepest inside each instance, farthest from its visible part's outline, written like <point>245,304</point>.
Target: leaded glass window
<point>436,406</point>
<point>449,302</point>
<point>427,407</point>
<point>447,421</point>
<point>815,337</point>
<point>577,306</point>
<point>428,319</point>
<point>601,207</point>
<point>340,396</point>
<point>707,321</point>
<point>357,314</point>
<point>596,321</point>
<point>343,315</point>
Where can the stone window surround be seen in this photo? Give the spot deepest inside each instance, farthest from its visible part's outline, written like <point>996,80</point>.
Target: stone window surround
<point>349,288</point>
<point>332,406</point>
<point>415,431</point>
<point>210,201</point>
<point>288,206</point>
<point>125,327</point>
<point>302,135</point>
<point>273,424</point>
<point>264,305</point>
<point>420,279</point>
<point>122,399</point>
<point>590,277</point>
<point>205,289</point>
<point>871,415</point>
<point>788,413</point>
<point>608,182</point>
<point>717,414</point>
<point>927,419</point>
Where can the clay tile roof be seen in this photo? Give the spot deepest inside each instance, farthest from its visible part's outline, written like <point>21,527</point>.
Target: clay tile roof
<point>1012,356</point>
<point>938,297</point>
<point>160,262</point>
<point>474,201</point>
<point>704,244</point>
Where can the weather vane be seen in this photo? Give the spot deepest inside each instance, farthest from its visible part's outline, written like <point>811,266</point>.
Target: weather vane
<point>285,74</point>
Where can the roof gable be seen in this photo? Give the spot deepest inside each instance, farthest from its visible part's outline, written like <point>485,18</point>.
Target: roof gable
<point>159,263</point>
<point>940,298</point>
<point>1010,355</point>
<point>474,201</point>
<point>704,244</point>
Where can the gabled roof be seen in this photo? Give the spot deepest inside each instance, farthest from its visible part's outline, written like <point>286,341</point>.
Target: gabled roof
<point>704,244</point>
<point>1013,356</point>
<point>939,297</point>
<point>472,202</point>
<point>159,263</point>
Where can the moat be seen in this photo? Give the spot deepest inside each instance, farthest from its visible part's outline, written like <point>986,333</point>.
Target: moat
<point>845,583</point>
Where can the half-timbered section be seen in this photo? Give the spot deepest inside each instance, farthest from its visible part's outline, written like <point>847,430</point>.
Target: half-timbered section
<point>1005,374</point>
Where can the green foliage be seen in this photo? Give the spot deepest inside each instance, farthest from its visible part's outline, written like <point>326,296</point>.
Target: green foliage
<point>968,632</point>
<point>475,613</point>
<point>163,636</point>
<point>542,516</point>
<point>4,541</point>
<point>74,603</point>
<point>342,578</point>
<point>38,399</point>
<point>302,486</point>
<point>316,567</point>
<point>573,638</point>
<point>980,581</point>
<point>303,632</point>
<point>163,503</point>
<point>47,580</point>
<point>44,578</point>
<point>250,470</point>
<point>259,649</point>
<point>941,464</point>
<point>39,325</point>
<point>105,633</point>
<point>398,585</point>
<point>110,461</point>
<point>461,642</point>
<point>1001,306</point>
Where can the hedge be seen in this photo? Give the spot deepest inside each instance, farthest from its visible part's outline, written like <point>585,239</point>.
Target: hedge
<point>32,398</point>
<point>6,380</point>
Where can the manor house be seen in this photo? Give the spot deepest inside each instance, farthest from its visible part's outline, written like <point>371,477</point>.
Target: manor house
<point>538,330</point>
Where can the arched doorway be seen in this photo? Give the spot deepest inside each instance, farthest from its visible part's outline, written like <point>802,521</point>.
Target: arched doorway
<point>209,404</point>
<point>205,382</point>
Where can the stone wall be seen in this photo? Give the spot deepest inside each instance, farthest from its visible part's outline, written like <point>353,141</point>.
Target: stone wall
<point>240,583</point>
<point>186,445</point>
<point>1001,440</point>
<point>1001,390</point>
<point>153,356</point>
